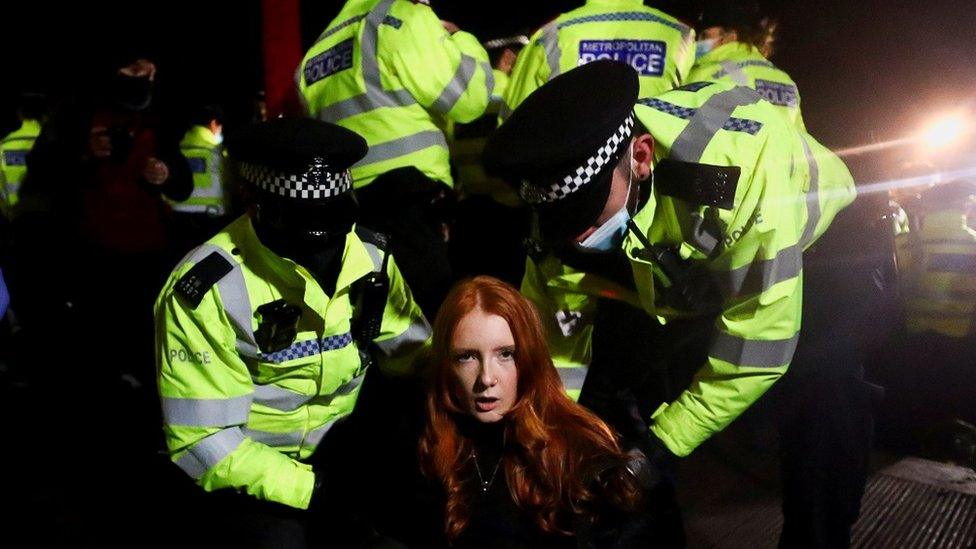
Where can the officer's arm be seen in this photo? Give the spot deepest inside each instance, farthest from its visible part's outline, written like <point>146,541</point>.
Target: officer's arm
<point>404,332</point>
<point>529,73</point>
<point>446,73</point>
<point>206,394</point>
<point>756,333</point>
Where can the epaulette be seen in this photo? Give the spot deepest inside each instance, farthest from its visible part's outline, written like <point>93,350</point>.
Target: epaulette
<point>192,286</point>
<point>699,184</point>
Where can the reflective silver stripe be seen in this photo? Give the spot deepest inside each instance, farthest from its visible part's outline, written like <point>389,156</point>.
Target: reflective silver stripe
<point>207,453</point>
<point>705,235</point>
<point>375,254</point>
<point>573,377</point>
<point>276,440</point>
<point>349,386</point>
<point>370,61</point>
<point>403,146</point>
<point>732,69</point>
<point>191,208</point>
<point>316,436</point>
<point>708,120</point>
<point>237,306</point>
<point>455,88</point>
<point>813,196</point>
<point>763,274</point>
<point>550,42</point>
<point>754,353</point>
<point>279,398</point>
<point>490,81</point>
<point>234,298</point>
<point>374,98</point>
<point>417,333</point>
<point>206,412</point>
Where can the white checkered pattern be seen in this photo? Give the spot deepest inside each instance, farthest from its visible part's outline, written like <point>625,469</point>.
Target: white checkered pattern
<point>575,181</point>
<point>314,184</point>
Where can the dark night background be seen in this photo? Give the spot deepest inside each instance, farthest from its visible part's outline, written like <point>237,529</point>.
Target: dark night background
<point>868,70</point>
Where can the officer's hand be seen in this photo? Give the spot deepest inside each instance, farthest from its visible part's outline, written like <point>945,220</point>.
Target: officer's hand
<point>155,171</point>
<point>650,461</point>
<point>99,142</point>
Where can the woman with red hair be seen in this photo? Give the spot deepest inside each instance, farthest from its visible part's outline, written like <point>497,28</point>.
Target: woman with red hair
<point>520,464</point>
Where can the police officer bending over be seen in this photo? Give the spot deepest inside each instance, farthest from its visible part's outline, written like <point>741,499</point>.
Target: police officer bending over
<point>689,206</point>
<point>265,332</point>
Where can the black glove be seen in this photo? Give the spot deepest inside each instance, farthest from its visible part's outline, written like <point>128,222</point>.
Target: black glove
<point>650,461</point>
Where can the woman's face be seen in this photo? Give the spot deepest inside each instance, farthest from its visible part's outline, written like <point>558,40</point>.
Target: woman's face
<point>483,352</point>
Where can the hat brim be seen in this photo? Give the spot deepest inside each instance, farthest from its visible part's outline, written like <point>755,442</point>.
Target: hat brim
<point>567,218</point>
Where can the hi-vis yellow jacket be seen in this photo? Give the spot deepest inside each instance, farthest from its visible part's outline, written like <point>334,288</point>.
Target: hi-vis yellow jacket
<point>785,198</point>
<point>238,417</point>
<point>659,47</point>
<point>387,70</point>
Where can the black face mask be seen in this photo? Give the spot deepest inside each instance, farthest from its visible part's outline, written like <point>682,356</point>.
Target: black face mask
<point>133,94</point>
<point>300,230</point>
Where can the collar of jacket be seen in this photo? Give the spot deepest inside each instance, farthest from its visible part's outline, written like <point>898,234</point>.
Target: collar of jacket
<point>356,262</point>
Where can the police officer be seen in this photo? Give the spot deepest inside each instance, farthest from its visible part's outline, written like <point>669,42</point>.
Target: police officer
<point>265,333</point>
<point>823,451</point>
<point>939,292</point>
<point>14,148</point>
<point>393,72</point>
<point>656,45</point>
<point>710,245</point>
<point>735,41</point>
<point>202,214</point>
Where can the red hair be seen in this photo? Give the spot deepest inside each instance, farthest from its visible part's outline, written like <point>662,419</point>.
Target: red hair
<point>551,440</point>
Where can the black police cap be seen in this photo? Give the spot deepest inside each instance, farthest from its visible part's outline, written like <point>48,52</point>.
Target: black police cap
<point>300,158</point>
<point>563,142</point>
<point>733,14</point>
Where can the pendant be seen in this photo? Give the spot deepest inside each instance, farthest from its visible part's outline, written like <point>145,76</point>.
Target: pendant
<point>484,487</point>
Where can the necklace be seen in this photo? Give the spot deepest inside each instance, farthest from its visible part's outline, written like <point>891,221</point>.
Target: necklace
<point>485,484</point>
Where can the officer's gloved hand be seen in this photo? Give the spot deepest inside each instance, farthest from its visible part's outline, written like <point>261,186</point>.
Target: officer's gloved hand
<point>650,461</point>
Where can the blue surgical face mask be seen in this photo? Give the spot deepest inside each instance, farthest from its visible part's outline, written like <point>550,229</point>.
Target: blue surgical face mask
<point>704,46</point>
<point>611,234</point>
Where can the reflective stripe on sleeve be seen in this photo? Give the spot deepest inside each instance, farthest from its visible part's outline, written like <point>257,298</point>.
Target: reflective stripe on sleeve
<point>754,353</point>
<point>206,412</point>
<point>207,453</point>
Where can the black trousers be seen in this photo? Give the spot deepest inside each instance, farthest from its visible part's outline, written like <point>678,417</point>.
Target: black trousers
<point>825,420</point>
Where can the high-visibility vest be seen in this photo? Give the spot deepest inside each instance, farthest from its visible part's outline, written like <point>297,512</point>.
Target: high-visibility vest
<point>388,70</point>
<point>236,416</point>
<point>659,47</point>
<point>753,252</point>
<point>940,290</point>
<point>13,161</point>
<point>204,154</point>
<point>743,65</point>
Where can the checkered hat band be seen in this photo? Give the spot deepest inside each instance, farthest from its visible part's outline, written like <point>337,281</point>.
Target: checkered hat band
<point>580,177</point>
<point>323,185</point>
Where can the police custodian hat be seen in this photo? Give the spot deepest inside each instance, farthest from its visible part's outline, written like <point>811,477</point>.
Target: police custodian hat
<point>563,142</point>
<point>297,158</point>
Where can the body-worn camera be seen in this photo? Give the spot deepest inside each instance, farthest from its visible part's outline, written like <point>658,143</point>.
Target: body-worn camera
<point>277,325</point>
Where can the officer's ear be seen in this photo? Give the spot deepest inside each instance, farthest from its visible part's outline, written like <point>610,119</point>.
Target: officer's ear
<point>643,148</point>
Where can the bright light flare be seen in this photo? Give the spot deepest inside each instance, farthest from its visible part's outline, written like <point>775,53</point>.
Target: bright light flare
<point>942,132</point>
